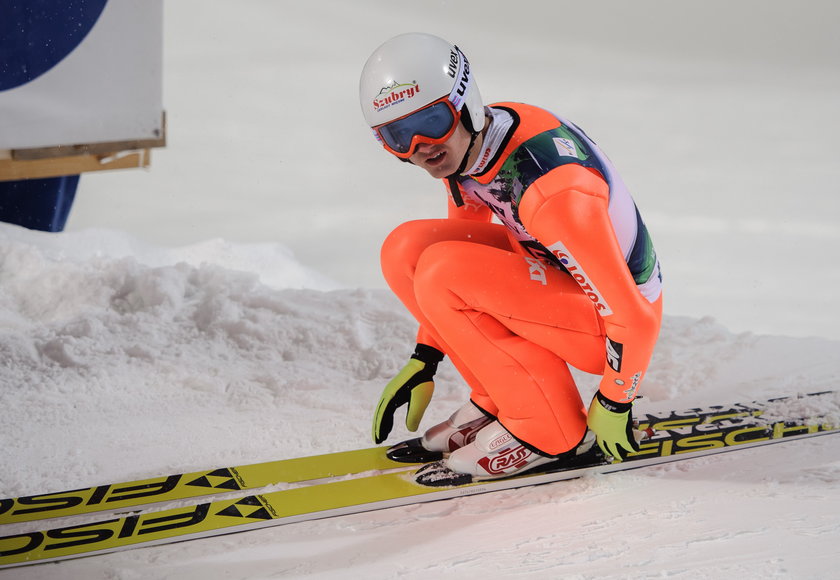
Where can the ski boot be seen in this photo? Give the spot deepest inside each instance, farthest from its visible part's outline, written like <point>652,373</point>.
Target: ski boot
<point>495,453</point>
<point>454,433</point>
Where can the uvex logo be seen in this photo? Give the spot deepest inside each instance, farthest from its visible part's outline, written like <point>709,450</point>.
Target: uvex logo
<point>572,266</point>
<point>465,79</point>
<point>453,63</point>
<point>458,68</point>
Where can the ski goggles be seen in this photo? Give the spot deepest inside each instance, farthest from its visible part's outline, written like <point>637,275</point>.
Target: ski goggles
<point>433,124</point>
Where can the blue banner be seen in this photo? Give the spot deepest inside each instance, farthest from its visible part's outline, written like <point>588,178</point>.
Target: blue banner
<point>35,35</point>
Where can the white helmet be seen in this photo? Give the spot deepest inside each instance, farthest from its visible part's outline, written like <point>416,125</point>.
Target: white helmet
<point>412,70</point>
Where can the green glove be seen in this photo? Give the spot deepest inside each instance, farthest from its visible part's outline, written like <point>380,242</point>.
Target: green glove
<point>612,424</point>
<point>413,385</point>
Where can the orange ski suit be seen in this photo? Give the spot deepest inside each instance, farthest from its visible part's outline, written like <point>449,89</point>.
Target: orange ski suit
<point>568,276</point>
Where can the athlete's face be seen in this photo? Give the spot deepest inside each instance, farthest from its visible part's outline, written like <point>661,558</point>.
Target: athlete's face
<point>444,158</point>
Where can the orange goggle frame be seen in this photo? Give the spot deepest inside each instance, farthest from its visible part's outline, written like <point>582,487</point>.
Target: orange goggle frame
<point>432,124</point>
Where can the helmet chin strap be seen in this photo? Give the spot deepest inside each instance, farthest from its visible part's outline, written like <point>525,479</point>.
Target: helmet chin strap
<point>465,160</point>
<point>452,178</point>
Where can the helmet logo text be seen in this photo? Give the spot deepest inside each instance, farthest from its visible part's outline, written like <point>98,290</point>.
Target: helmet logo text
<point>453,63</point>
<point>459,70</point>
<point>395,93</point>
<point>465,78</point>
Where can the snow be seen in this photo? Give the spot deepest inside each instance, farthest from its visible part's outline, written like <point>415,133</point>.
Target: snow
<point>224,307</point>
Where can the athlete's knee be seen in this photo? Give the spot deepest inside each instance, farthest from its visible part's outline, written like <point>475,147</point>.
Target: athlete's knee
<point>435,261</point>
<point>402,248</point>
<point>437,271</point>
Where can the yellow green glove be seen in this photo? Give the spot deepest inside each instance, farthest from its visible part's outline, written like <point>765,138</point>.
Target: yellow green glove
<point>413,385</point>
<point>612,424</point>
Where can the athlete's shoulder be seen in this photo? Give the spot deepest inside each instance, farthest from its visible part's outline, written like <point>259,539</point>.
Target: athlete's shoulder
<point>527,122</point>
<point>539,144</point>
<point>527,112</point>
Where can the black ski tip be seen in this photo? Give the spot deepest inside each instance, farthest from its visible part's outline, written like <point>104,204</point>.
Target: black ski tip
<point>438,475</point>
<point>412,451</point>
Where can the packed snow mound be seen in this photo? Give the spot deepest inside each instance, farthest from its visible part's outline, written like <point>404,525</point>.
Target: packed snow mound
<point>103,354</point>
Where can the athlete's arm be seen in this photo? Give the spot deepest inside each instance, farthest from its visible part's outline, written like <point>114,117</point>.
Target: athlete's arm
<point>567,211</point>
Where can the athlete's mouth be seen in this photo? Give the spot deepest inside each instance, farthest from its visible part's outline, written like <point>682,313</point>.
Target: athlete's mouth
<point>436,159</point>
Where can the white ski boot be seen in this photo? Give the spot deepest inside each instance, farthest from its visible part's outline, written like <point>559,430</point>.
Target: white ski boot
<point>457,431</point>
<point>494,453</point>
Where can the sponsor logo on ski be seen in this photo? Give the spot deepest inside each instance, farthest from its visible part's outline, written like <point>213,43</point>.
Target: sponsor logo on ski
<point>113,496</point>
<point>583,280</point>
<point>103,494</point>
<point>121,531</point>
<point>694,439</point>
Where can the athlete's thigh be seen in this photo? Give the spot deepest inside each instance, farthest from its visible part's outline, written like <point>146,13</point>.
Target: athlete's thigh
<point>531,298</point>
<point>409,240</point>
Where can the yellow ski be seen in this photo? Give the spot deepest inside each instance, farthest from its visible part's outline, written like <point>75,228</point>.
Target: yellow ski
<point>142,493</point>
<point>676,435</point>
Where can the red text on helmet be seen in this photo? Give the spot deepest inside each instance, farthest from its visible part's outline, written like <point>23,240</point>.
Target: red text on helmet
<point>395,93</point>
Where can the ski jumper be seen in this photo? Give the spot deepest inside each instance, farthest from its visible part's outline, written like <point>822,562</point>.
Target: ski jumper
<point>568,276</point>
